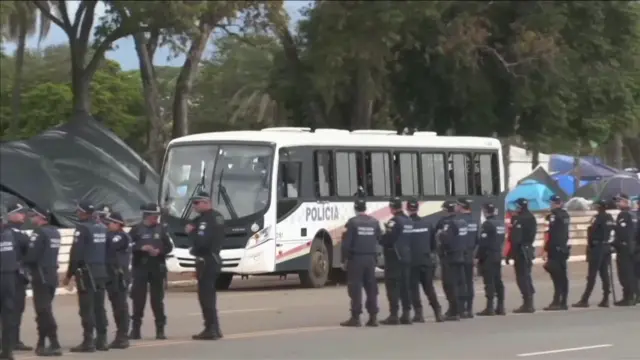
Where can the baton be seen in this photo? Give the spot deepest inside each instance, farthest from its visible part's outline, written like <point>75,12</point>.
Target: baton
<point>80,281</point>
<point>613,286</point>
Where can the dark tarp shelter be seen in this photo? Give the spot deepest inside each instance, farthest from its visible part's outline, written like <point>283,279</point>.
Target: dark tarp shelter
<point>540,175</point>
<point>80,160</point>
<point>607,188</point>
<point>587,170</point>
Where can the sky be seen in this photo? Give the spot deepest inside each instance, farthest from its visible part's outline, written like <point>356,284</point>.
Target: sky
<point>124,51</point>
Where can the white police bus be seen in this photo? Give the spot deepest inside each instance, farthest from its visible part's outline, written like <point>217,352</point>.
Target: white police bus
<point>286,193</point>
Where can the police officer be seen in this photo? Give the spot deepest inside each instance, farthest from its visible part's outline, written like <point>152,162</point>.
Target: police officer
<point>523,234</point>
<point>118,261</point>
<point>9,268</point>
<point>423,262</point>
<point>207,233</point>
<point>451,235</point>
<point>556,253</point>
<point>489,256</point>
<point>151,245</point>
<point>598,255</point>
<point>637,252</point>
<point>359,255</point>
<point>16,216</point>
<point>396,250</point>
<point>624,245</point>
<point>87,265</point>
<point>42,261</point>
<point>463,208</point>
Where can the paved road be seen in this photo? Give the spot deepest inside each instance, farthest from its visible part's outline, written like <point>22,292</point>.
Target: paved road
<point>290,323</point>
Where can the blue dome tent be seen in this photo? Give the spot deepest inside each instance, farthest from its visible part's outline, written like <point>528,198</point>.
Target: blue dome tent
<point>567,183</point>
<point>537,193</point>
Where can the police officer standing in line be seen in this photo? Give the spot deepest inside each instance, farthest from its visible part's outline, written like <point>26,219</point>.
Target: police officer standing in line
<point>118,260</point>
<point>637,252</point>
<point>464,212</point>
<point>151,245</point>
<point>359,255</point>
<point>598,255</point>
<point>9,268</point>
<point>451,235</point>
<point>489,256</point>
<point>396,250</point>
<point>207,234</point>
<point>556,253</point>
<point>624,245</point>
<point>16,216</point>
<point>423,247</point>
<point>87,265</point>
<point>523,234</point>
<point>42,261</point>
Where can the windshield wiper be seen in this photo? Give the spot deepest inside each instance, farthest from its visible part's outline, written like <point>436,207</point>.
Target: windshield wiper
<point>222,192</point>
<point>199,187</point>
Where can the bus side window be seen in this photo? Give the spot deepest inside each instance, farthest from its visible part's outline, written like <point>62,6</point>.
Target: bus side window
<point>495,174</point>
<point>459,173</point>
<point>323,176</point>
<point>378,170</point>
<point>406,165</point>
<point>346,173</point>
<point>433,174</point>
<point>289,175</point>
<point>485,174</point>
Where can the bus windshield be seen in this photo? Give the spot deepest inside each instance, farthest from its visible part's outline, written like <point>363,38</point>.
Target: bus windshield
<point>236,176</point>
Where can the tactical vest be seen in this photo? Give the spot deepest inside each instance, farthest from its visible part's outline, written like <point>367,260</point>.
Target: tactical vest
<point>96,251</point>
<point>8,252</point>
<point>52,247</point>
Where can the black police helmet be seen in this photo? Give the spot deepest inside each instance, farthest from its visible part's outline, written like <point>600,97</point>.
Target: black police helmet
<point>449,206</point>
<point>114,217</point>
<point>360,205</point>
<point>85,207</point>
<point>43,213</point>
<point>201,195</point>
<point>395,204</point>
<point>413,204</point>
<point>522,203</point>
<point>16,208</point>
<point>465,203</point>
<point>150,209</point>
<point>601,204</point>
<point>555,199</point>
<point>489,207</point>
<point>621,197</point>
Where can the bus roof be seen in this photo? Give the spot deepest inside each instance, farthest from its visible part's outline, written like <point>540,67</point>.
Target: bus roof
<point>286,137</point>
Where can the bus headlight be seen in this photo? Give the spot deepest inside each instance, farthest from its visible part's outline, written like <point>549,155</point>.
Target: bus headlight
<point>260,237</point>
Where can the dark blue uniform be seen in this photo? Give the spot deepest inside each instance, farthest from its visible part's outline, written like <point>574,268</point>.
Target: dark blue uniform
<point>624,244</point>
<point>42,261</point>
<point>423,262</point>
<point>397,261</point>
<point>598,256</point>
<point>207,239</point>
<point>118,262</point>
<point>489,257</point>
<point>149,272</point>
<point>359,252</point>
<point>87,264</point>
<point>523,234</point>
<point>9,268</point>
<point>558,250</point>
<point>637,255</point>
<point>22,242</point>
<point>469,255</point>
<point>451,235</point>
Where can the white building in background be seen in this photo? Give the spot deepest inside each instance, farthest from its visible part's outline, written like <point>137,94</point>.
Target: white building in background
<point>520,164</point>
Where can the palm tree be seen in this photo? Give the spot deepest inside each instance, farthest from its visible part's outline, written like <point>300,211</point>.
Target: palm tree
<point>21,21</point>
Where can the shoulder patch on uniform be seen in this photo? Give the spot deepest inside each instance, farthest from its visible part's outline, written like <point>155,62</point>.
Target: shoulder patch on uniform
<point>483,235</point>
<point>552,218</point>
<point>116,238</point>
<point>202,226</point>
<point>156,236</point>
<point>219,220</point>
<point>33,237</point>
<point>77,233</point>
<point>390,224</point>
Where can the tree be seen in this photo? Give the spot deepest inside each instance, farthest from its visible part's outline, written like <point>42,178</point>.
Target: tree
<point>21,21</point>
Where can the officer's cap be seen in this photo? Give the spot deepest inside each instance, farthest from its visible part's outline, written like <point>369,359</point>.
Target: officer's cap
<point>621,197</point>
<point>555,199</point>
<point>395,203</point>
<point>413,204</point>
<point>465,203</point>
<point>16,208</point>
<point>103,209</point>
<point>601,203</point>
<point>522,202</point>
<point>449,206</point>
<point>201,195</point>
<point>114,217</point>
<point>489,207</point>
<point>85,207</point>
<point>150,209</point>
<point>360,205</point>
<point>43,213</point>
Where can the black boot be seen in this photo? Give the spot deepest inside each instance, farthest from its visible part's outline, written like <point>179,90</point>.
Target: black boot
<point>87,346</point>
<point>373,321</point>
<point>405,319</point>
<point>54,348</point>
<point>354,321</point>
<point>582,304</point>
<point>526,308</point>
<point>418,317</point>
<point>40,344</point>
<point>469,309</point>
<point>500,307</point>
<point>101,342</point>
<point>135,332</point>
<point>20,346</point>
<point>605,301</point>
<point>6,354</point>
<point>207,334</point>
<point>160,332</point>
<point>391,320</point>
<point>120,342</point>
<point>488,310</point>
<point>437,312</point>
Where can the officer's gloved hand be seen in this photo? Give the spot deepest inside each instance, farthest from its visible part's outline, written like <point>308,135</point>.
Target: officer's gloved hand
<point>506,260</point>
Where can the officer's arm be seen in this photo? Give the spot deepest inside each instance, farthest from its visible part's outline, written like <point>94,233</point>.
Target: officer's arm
<point>80,237</point>
<point>137,245</point>
<point>35,248</point>
<point>167,244</point>
<point>516,233</point>
<point>387,238</point>
<point>432,237</point>
<point>347,243</point>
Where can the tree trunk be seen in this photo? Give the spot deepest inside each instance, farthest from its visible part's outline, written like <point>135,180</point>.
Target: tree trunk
<point>16,95</point>
<point>184,83</point>
<point>80,82</point>
<point>506,160</point>
<point>363,99</point>
<point>535,157</point>
<point>618,157</point>
<point>145,49</point>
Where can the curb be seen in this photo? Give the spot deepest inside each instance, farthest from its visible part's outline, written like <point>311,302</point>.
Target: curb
<point>187,283</point>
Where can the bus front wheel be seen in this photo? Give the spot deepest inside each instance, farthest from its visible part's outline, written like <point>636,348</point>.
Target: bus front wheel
<point>224,281</point>
<point>317,274</point>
